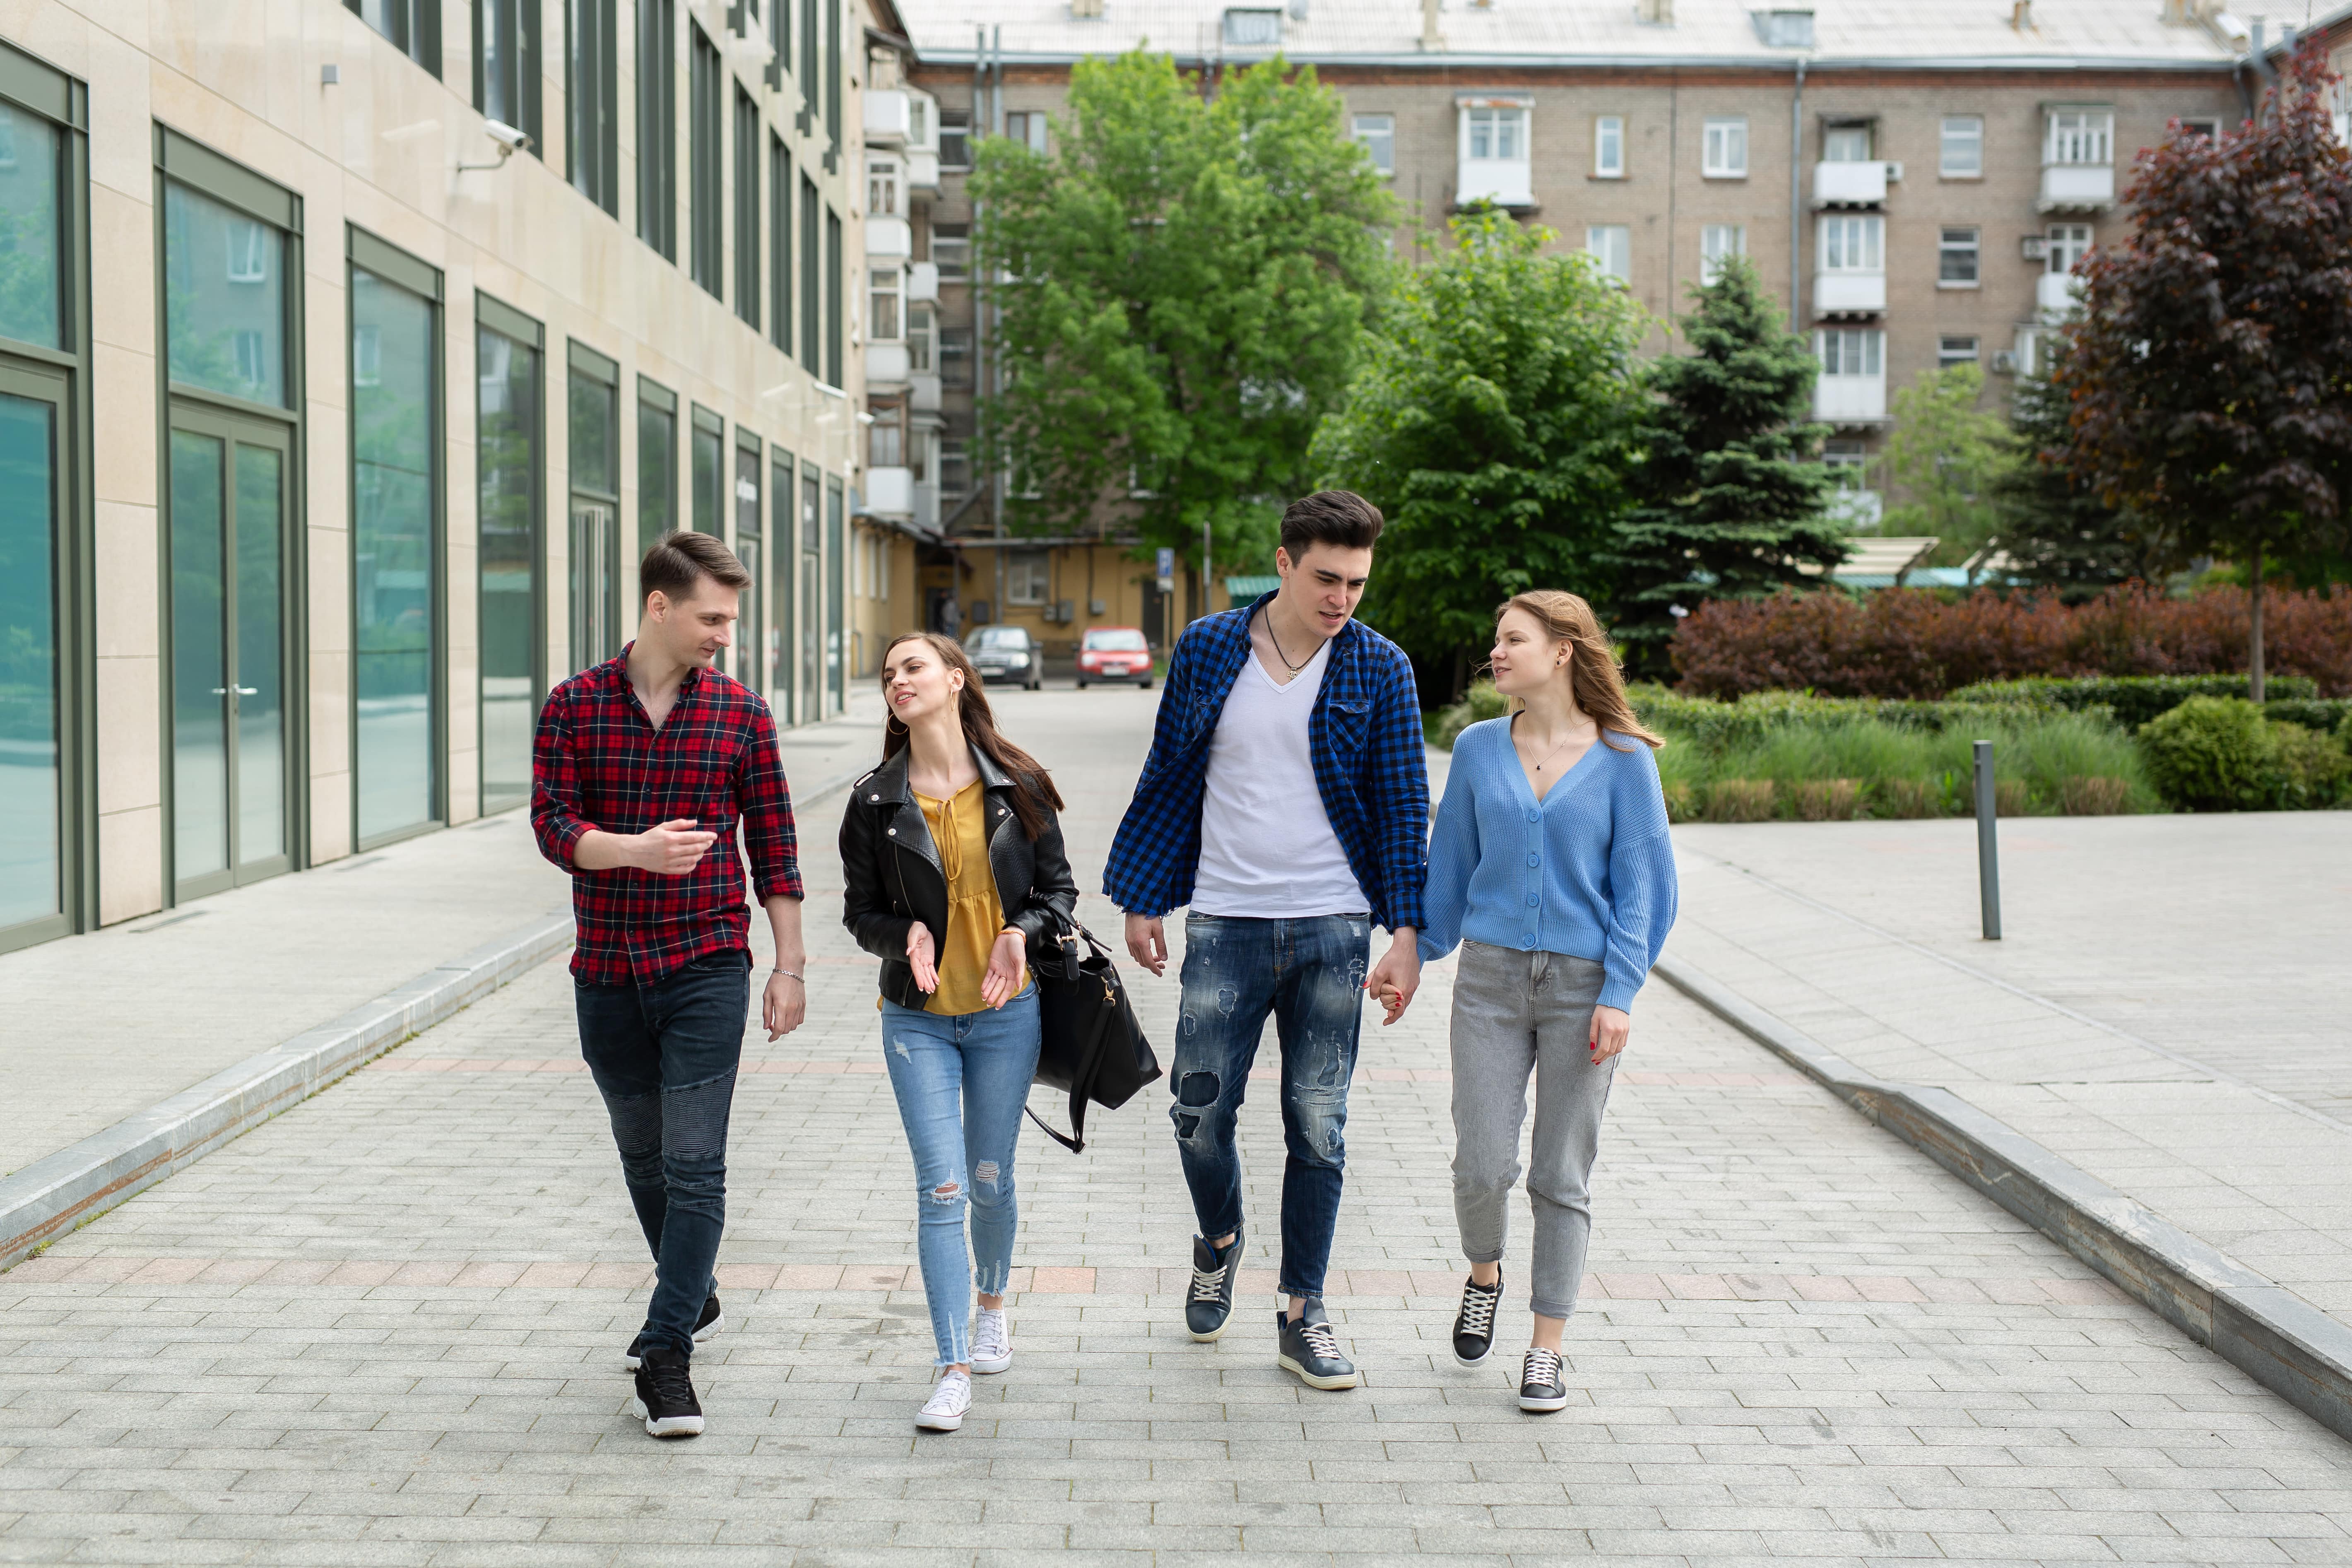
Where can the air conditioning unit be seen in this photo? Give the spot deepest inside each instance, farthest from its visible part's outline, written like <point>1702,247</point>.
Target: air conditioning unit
<point>1063,611</point>
<point>1895,172</point>
<point>2004,363</point>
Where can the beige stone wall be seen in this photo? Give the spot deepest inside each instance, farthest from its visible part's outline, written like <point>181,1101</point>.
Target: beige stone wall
<point>380,149</point>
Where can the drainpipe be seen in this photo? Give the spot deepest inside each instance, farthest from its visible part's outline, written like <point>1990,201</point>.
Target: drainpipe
<point>1797,202</point>
<point>998,484</point>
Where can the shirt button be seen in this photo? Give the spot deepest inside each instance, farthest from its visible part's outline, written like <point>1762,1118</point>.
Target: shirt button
<point>1534,858</point>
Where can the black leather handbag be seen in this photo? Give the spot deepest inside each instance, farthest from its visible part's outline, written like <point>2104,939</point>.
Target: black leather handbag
<point>1089,1045</point>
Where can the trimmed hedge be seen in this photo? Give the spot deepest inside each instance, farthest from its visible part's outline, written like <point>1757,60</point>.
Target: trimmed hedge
<point>2136,698</point>
<point>2224,753</point>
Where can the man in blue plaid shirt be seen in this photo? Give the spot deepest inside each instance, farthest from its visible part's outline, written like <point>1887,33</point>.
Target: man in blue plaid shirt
<point>1287,800</point>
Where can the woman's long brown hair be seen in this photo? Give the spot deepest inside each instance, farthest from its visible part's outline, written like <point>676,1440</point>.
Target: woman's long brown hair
<point>1033,788</point>
<point>1593,673</point>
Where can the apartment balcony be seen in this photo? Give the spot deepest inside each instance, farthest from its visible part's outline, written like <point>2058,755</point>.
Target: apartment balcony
<point>1506,181</point>
<point>1862,184</point>
<point>927,507</point>
<point>922,283</point>
<point>1849,293</point>
<point>2077,188</point>
<point>922,171</point>
<point>1850,399</point>
<point>2057,293</point>
<point>886,364</point>
<point>890,493</point>
<point>889,122</point>
<point>889,239</point>
<point>923,393</point>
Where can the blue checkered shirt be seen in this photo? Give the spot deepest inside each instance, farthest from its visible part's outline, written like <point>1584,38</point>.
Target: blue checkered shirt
<point>1370,768</point>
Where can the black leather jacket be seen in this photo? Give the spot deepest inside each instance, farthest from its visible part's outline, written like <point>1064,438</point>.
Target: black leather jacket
<point>892,876</point>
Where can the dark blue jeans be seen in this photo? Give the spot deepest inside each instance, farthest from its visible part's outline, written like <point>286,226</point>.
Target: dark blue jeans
<point>1309,973</point>
<point>664,1055</point>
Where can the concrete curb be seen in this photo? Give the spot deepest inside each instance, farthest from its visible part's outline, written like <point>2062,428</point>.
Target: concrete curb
<point>2282,1341</point>
<point>58,1192</point>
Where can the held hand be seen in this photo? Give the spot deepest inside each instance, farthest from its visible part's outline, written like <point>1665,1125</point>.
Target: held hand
<point>783,1008</point>
<point>672,850</point>
<point>925,961</point>
<point>1002,983</point>
<point>1147,943</point>
<point>1396,975</point>
<point>1611,1026</point>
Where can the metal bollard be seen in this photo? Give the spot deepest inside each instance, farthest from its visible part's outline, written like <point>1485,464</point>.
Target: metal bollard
<point>1988,849</point>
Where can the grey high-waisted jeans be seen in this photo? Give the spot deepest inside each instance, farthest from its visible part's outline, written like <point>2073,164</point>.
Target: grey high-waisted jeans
<point>1515,1013</point>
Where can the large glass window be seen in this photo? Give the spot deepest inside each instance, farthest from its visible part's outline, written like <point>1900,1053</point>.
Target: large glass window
<point>1717,243</point>
<point>508,463</point>
<point>506,64</point>
<point>705,193</point>
<point>811,615</point>
<point>1956,258</point>
<point>812,284</point>
<point>594,461</point>
<point>709,479</point>
<point>1960,147</point>
<point>748,279</point>
<point>393,607</point>
<point>836,521</point>
<point>782,686</point>
<point>413,25</point>
<point>1611,245</point>
<point>592,92</point>
<point>1377,134</point>
<point>835,325</point>
<point>1723,153</point>
<point>224,299</point>
<point>32,869</point>
<point>656,464</point>
<point>32,288</point>
<point>657,125</point>
<point>1852,243</point>
<point>751,634</point>
<point>780,244</point>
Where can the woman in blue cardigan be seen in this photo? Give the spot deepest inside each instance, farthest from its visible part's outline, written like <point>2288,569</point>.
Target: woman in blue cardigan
<point>1550,865</point>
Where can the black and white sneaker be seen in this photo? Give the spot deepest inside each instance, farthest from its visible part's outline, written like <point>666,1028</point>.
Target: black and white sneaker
<point>709,1323</point>
<point>1542,1386</point>
<point>1210,1300</point>
<point>666,1395</point>
<point>1308,1351</point>
<point>1473,1325</point>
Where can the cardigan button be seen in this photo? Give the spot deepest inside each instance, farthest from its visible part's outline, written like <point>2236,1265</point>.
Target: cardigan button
<point>1534,898</point>
<point>1527,942</point>
<point>1535,817</point>
<point>1534,858</point>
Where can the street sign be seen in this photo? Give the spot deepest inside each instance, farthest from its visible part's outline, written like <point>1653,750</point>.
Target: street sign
<point>1167,571</point>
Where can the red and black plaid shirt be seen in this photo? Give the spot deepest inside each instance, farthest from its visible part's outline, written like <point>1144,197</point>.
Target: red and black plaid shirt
<point>599,764</point>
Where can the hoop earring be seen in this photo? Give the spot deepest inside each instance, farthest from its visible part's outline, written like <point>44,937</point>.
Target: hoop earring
<point>891,725</point>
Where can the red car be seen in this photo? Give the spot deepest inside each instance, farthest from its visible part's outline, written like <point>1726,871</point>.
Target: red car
<point>1113,653</point>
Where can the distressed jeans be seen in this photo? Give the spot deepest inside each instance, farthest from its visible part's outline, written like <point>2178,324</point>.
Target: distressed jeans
<point>663,1056</point>
<point>962,1080</point>
<point>1309,973</point>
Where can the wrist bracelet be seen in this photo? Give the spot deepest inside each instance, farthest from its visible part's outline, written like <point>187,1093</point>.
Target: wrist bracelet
<point>786,973</point>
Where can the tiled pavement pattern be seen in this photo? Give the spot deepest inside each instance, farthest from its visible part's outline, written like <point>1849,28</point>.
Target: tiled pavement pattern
<point>1807,1343</point>
<point>2212,949</point>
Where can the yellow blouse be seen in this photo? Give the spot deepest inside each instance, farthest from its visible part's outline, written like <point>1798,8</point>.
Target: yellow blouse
<point>959,831</point>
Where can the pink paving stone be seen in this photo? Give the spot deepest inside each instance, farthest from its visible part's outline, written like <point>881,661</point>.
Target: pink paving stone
<point>1823,1287</point>
<point>47,1268</point>
<point>358,1273</point>
<point>2016,1293</point>
<point>1759,1287</point>
<point>106,1271</point>
<point>1063,1281</point>
<point>1436,1282</point>
<point>856,1278</point>
<point>2083,1292</point>
<point>746,1276</point>
<point>300,1271</point>
<point>1264,1075</point>
<point>1017,1278</point>
<point>552,1276</point>
<point>493,1275</point>
<point>1433,1075</point>
<point>436,1273</point>
<point>236,1270</point>
<point>1378,1282</point>
<point>1888,1287</point>
<point>1261,1280</point>
<point>808,1277</point>
<point>617,1275</point>
<point>1952,1292</point>
<point>171,1270</point>
<point>1591,1288</point>
<point>1635,1287</point>
<point>1698,1288</point>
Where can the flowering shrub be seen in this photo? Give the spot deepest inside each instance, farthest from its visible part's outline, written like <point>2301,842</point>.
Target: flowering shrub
<point>1907,643</point>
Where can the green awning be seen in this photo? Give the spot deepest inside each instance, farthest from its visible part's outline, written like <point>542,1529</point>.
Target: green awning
<point>1243,589</point>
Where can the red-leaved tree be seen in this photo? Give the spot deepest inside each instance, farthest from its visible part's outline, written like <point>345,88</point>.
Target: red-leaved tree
<point>2209,373</point>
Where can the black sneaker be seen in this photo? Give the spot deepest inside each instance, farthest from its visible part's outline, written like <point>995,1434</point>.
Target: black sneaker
<point>709,1323</point>
<point>1210,1300</point>
<point>666,1395</point>
<point>1307,1350</point>
<point>1473,1325</point>
<point>1542,1386</point>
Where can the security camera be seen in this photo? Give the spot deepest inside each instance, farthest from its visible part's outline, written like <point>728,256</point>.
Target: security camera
<point>506,135</point>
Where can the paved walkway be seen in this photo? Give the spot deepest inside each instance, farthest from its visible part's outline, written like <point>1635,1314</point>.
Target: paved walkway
<point>104,1025</point>
<point>385,1327</point>
<point>2166,1009</point>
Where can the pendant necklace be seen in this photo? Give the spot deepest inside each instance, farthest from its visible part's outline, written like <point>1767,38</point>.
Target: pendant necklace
<point>1548,755</point>
<point>1276,641</point>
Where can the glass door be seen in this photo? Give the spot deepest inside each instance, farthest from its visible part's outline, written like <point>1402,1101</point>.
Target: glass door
<point>595,581</point>
<point>230,750</point>
<point>748,637</point>
<point>811,608</point>
<point>32,779</point>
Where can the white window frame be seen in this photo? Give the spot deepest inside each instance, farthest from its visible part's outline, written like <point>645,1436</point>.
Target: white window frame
<point>922,318</point>
<point>1850,351</point>
<point>1608,146</point>
<point>1960,131</point>
<point>1832,134</point>
<point>1853,242</point>
<point>1252,27</point>
<point>893,430</point>
<point>2206,125</point>
<point>248,250</point>
<point>886,286</point>
<point>1610,246</point>
<point>2081,137</point>
<point>1973,246</point>
<point>1028,576</point>
<point>1716,241</point>
<point>1026,126</point>
<point>1376,133</point>
<point>1503,128</point>
<point>1947,355</point>
<point>1723,153</point>
<point>2064,244</point>
<point>960,247</point>
<point>881,186</point>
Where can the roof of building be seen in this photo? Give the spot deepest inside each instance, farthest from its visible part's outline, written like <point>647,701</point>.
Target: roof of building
<point>2061,35</point>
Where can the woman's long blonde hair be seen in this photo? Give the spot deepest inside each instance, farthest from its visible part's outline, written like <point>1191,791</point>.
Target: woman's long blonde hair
<point>1594,677</point>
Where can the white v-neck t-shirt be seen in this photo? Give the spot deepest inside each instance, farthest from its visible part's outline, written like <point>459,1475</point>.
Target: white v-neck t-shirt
<point>1267,851</point>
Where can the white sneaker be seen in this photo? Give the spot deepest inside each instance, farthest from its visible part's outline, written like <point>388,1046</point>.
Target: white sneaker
<point>943,1412</point>
<point>992,1340</point>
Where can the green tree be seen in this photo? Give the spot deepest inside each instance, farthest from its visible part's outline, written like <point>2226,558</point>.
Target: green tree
<point>1187,280</point>
<point>2209,376</point>
<point>2057,533</point>
<point>1729,501</point>
<point>1492,419</point>
<point>1946,455</point>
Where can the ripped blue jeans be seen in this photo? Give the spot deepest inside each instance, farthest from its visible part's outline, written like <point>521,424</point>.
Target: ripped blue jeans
<point>962,1080</point>
<point>1309,973</point>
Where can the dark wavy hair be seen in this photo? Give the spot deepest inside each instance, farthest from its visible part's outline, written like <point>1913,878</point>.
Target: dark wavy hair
<point>1034,793</point>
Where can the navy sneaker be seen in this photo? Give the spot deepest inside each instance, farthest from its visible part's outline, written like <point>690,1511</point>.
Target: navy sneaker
<point>1210,1300</point>
<point>1473,1325</point>
<point>709,1323</point>
<point>1543,1386</point>
<point>1307,1350</point>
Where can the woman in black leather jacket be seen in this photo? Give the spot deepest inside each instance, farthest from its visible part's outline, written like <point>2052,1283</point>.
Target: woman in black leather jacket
<point>954,875</point>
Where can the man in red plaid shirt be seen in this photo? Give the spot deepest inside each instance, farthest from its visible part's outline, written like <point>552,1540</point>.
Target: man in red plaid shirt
<point>643,770</point>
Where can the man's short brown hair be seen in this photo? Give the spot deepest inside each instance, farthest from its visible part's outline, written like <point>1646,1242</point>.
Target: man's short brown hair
<point>1329,517</point>
<point>678,559</point>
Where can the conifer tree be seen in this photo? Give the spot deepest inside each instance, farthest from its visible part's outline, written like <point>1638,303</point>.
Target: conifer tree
<point>1731,493</point>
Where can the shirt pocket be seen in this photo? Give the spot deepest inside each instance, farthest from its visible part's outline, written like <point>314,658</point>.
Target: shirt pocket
<point>1347,723</point>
